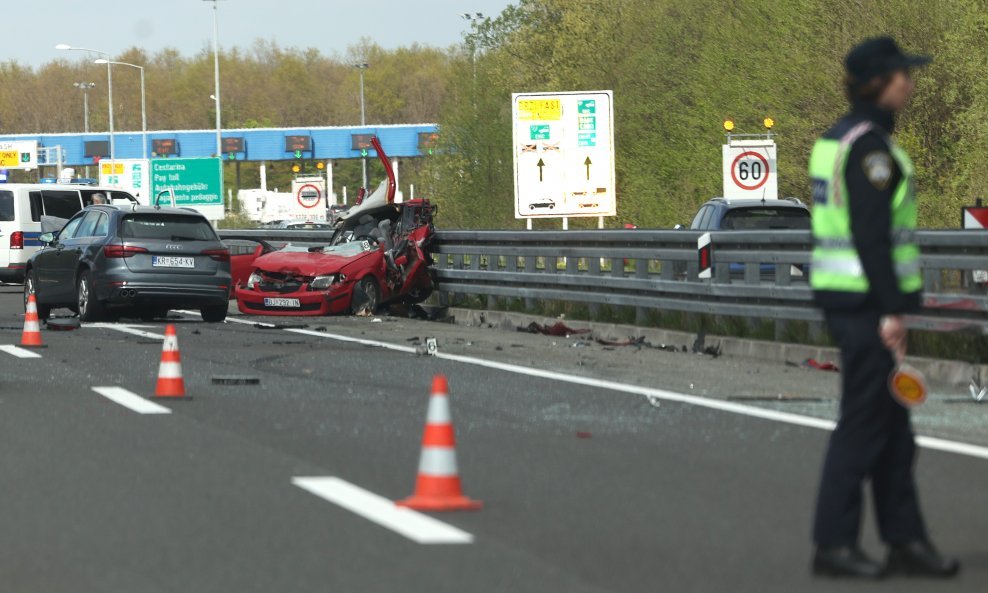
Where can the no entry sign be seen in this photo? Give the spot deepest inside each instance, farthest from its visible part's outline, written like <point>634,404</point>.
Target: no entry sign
<point>750,169</point>
<point>308,196</point>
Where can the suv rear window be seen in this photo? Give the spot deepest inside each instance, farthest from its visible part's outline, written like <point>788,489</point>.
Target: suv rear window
<point>766,218</point>
<point>167,227</point>
<point>6,206</point>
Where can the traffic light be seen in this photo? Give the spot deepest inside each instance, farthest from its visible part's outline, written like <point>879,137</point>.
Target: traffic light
<point>298,154</point>
<point>296,168</point>
<point>729,124</point>
<point>364,152</point>
<point>320,165</point>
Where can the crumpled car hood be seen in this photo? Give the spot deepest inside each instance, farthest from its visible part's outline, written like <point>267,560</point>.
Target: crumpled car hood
<point>306,264</point>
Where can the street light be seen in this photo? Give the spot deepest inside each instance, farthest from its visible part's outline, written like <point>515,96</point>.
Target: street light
<point>84,87</point>
<point>473,18</point>
<point>216,73</point>
<point>109,85</point>
<point>144,113</point>
<point>363,116</point>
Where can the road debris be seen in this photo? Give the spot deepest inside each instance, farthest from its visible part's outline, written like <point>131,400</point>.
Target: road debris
<point>63,323</point>
<point>977,391</point>
<point>653,401</point>
<point>812,363</point>
<point>559,329</point>
<point>281,326</point>
<point>235,380</point>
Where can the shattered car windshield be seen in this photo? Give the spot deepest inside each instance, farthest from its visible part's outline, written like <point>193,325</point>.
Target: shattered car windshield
<point>344,249</point>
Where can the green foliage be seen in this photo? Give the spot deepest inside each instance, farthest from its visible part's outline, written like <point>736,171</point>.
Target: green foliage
<point>677,69</point>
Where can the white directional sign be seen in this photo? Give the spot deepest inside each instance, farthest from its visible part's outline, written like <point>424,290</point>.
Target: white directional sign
<point>19,154</point>
<point>750,169</point>
<point>564,154</point>
<point>130,175</point>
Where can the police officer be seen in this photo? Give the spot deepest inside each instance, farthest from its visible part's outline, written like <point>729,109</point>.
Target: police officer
<point>865,275</point>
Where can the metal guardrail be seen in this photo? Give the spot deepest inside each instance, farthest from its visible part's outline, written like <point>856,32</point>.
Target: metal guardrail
<point>756,274</point>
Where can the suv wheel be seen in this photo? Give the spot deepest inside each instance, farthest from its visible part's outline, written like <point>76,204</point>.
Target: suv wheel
<point>214,314</point>
<point>90,309</point>
<point>31,287</point>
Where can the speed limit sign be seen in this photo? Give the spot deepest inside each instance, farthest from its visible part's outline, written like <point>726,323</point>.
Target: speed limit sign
<point>749,170</point>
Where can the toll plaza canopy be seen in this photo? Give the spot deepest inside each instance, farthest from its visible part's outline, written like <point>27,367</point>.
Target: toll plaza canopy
<point>254,144</point>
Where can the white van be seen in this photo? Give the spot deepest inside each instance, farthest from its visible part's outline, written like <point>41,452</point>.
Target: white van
<point>21,207</point>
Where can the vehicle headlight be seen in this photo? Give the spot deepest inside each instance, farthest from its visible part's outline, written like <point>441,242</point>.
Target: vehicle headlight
<point>254,279</point>
<point>324,282</point>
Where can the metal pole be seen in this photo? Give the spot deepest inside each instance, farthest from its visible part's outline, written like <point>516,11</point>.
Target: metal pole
<point>109,87</point>
<point>85,108</point>
<point>144,119</point>
<point>363,122</point>
<point>216,74</point>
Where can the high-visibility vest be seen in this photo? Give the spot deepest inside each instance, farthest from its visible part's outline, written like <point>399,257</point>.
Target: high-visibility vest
<point>836,265</point>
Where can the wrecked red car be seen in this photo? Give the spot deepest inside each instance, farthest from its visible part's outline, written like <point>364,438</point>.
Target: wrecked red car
<point>378,254</point>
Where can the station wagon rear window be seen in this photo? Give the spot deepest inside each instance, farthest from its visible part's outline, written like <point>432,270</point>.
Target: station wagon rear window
<point>63,204</point>
<point>167,227</point>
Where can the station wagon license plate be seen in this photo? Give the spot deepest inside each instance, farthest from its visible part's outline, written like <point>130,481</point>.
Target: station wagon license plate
<point>167,261</point>
<point>276,302</point>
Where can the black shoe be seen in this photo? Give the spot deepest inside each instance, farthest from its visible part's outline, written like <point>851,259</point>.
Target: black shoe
<point>920,558</point>
<point>846,561</point>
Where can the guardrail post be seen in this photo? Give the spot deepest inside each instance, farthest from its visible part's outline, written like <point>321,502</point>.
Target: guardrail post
<point>530,268</point>
<point>641,273</point>
<point>783,277</point>
<point>593,269</point>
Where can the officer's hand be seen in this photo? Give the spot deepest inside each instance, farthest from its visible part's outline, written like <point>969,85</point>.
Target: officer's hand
<point>893,332</point>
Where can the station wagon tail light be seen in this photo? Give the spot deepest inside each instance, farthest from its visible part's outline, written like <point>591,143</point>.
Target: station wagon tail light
<point>17,240</point>
<point>217,254</point>
<point>115,251</point>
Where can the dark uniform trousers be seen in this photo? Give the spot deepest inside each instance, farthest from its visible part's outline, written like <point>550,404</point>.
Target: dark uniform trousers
<point>873,440</point>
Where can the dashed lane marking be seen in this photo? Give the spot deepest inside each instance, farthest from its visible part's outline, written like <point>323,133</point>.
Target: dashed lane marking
<point>18,351</point>
<point>411,524</point>
<point>131,400</point>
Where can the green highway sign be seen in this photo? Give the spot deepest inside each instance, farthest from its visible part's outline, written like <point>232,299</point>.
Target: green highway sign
<point>196,183</point>
<point>539,131</point>
<point>586,107</point>
<point>298,154</point>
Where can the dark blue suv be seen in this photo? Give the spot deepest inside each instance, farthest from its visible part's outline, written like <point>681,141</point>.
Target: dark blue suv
<point>720,214</point>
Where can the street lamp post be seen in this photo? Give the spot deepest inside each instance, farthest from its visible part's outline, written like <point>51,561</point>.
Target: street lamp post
<point>216,74</point>
<point>109,85</point>
<point>363,118</point>
<point>84,87</point>
<point>473,18</point>
<point>144,113</point>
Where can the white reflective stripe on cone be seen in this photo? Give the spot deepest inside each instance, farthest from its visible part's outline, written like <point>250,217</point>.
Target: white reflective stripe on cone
<point>438,409</point>
<point>170,344</point>
<point>438,461</point>
<point>32,326</point>
<point>170,370</point>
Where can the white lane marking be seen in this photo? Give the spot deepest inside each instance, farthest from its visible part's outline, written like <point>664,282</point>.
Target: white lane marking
<point>127,329</point>
<point>411,524</point>
<point>927,442</point>
<point>131,400</point>
<point>18,351</point>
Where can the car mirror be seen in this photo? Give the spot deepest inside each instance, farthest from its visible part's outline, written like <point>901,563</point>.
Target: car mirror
<point>47,238</point>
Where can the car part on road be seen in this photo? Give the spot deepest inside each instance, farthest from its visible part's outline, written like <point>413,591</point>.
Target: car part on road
<point>560,329</point>
<point>977,391</point>
<point>235,380</point>
<point>63,323</point>
<point>170,385</point>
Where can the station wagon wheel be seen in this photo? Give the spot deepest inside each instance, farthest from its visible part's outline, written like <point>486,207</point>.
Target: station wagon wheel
<point>90,308</point>
<point>31,287</point>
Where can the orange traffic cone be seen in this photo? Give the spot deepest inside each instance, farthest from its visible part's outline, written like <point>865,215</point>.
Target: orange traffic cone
<point>32,326</point>
<point>170,381</point>
<point>438,485</point>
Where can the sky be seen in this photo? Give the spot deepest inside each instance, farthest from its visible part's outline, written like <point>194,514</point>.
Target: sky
<point>186,25</point>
